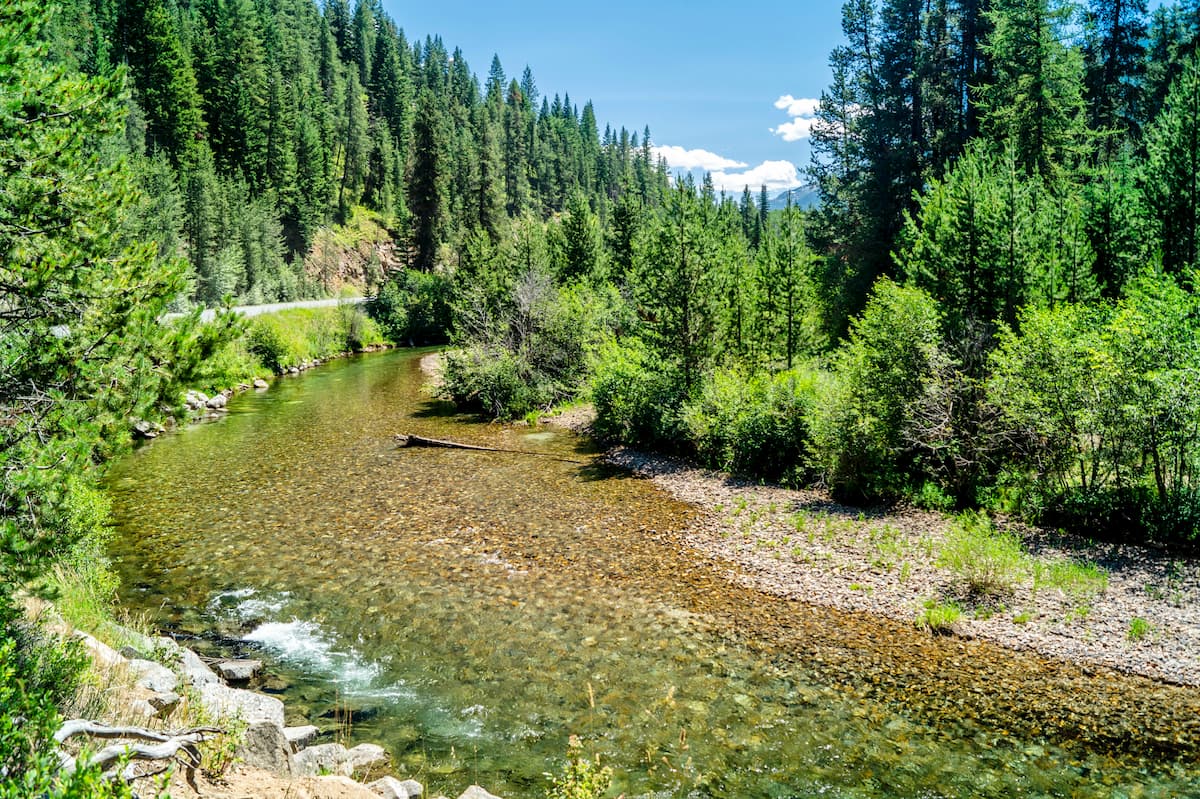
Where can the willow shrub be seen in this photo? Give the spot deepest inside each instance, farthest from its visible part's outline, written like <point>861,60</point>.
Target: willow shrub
<point>755,424</point>
<point>636,403</point>
<point>861,419</point>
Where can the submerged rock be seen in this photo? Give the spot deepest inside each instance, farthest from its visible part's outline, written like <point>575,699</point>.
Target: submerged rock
<point>261,384</point>
<point>239,670</point>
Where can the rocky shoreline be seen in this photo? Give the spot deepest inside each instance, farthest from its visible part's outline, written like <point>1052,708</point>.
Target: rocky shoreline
<point>802,545</point>
<point>154,683</point>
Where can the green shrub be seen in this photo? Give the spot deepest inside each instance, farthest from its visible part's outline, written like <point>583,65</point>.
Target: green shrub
<point>1139,628</point>
<point>581,778</point>
<point>488,381</point>
<point>990,562</point>
<point>938,617</point>
<point>38,677</point>
<point>413,307</point>
<point>634,404</point>
<point>1079,581</point>
<point>861,416</point>
<point>752,424</point>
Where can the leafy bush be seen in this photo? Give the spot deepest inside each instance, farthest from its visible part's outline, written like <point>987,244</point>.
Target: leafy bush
<point>634,403</point>
<point>413,307</point>
<point>582,778</point>
<point>524,349</point>
<point>752,424</point>
<point>938,617</point>
<point>860,418</point>
<point>38,676</point>
<point>990,562</point>
<point>487,381</point>
<point>1105,406</point>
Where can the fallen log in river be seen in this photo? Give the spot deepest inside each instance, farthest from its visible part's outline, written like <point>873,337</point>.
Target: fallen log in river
<point>403,440</point>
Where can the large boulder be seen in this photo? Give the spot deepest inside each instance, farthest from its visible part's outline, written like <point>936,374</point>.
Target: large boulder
<point>195,670</point>
<point>265,746</point>
<point>224,702</point>
<point>102,654</point>
<point>153,676</point>
<point>363,758</point>
<point>300,737</point>
<point>320,759</point>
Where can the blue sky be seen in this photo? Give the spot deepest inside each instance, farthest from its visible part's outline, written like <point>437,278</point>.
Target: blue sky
<point>711,79</point>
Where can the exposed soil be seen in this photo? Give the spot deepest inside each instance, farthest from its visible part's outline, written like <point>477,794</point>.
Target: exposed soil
<point>802,545</point>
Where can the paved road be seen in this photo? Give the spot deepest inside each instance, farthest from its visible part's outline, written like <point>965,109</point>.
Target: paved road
<point>274,307</point>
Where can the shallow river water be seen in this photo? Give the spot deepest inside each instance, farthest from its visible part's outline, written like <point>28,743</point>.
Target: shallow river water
<point>472,610</point>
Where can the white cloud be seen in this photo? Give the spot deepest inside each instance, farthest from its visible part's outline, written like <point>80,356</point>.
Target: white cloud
<point>777,176</point>
<point>803,111</point>
<point>679,158</point>
<point>798,106</point>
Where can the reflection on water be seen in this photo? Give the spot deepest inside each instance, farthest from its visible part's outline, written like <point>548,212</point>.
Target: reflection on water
<point>470,610</point>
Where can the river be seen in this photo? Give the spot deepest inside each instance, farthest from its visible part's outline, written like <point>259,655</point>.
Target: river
<point>472,610</point>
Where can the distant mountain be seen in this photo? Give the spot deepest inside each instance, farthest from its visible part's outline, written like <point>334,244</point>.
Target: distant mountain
<point>805,197</point>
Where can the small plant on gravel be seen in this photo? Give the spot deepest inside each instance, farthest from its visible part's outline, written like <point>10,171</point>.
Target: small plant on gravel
<point>1024,617</point>
<point>990,562</point>
<point>938,617</point>
<point>905,571</point>
<point>1139,628</point>
<point>581,778</point>
<point>1079,581</point>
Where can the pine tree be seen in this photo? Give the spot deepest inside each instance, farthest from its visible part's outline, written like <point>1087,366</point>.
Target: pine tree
<point>1172,182</point>
<point>427,185</point>
<point>1115,58</point>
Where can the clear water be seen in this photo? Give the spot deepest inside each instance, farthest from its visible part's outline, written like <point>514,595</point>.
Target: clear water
<point>472,610</point>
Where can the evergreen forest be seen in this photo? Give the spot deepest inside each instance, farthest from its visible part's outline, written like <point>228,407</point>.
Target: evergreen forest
<point>993,304</point>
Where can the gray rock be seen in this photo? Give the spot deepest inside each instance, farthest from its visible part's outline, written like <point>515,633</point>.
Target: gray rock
<point>238,670</point>
<point>217,401</point>
<point>320,759</point>
<point>155,676</point>
<point>144,429</point>
<point>266,747</point>
<point>142,708</point>
<point>392,788</point>
<point>261,384</point>
<point>223,702</point>
<point>195,400</point>
<point>475,792</point>
<point>363,757</point>
<point>413,787</point>
<point>101,653</point>
<point>195,670</point>
<point>300,737</point>
<point>164,702</point>
<point>341,787</point>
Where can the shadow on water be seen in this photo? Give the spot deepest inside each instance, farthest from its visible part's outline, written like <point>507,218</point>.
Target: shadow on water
<point>473,610</point>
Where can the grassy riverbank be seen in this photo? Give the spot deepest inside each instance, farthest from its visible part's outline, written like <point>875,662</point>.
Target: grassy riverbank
<point>275,343</point>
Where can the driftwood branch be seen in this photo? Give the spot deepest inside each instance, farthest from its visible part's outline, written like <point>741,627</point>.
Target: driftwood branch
<point>420,441</point>
<point>178,745</point>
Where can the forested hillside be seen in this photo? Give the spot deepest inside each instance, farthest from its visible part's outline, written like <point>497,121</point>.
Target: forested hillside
<point>256,124</point>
